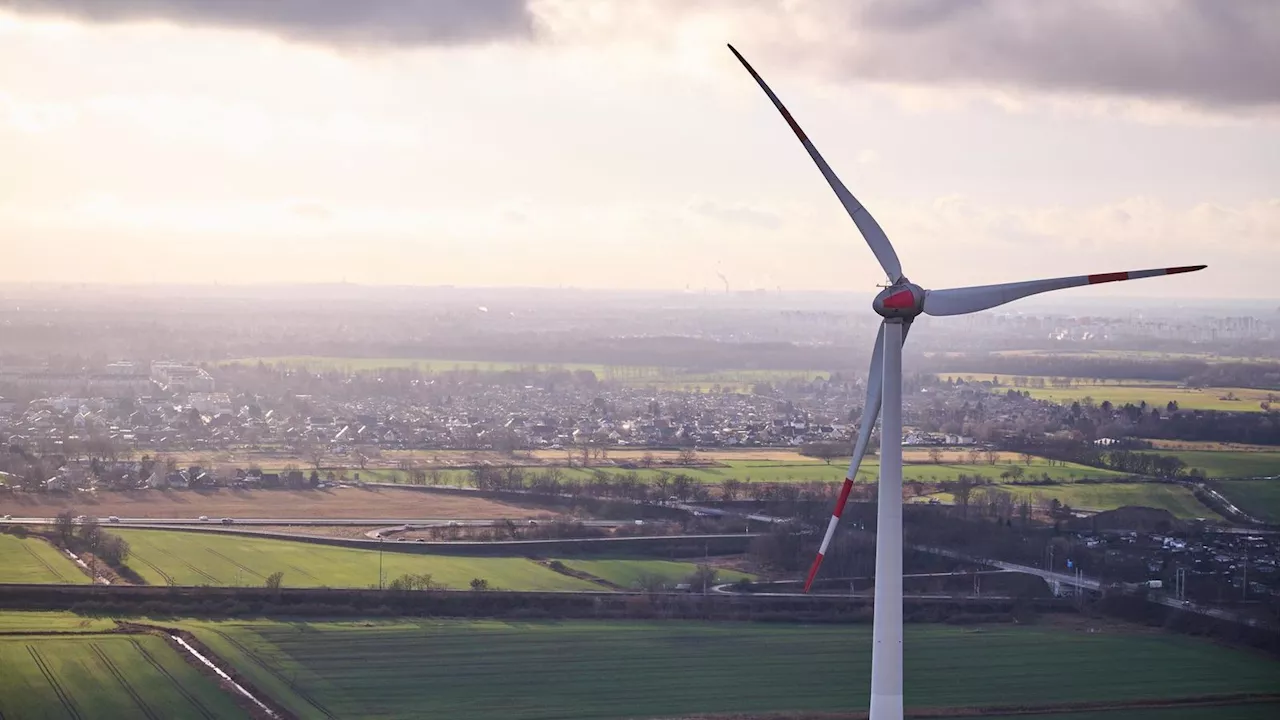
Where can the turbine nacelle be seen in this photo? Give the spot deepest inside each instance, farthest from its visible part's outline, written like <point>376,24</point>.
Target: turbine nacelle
<point>902,300</point>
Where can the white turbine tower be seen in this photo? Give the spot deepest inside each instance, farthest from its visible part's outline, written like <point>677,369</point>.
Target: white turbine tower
<point>899,304</point>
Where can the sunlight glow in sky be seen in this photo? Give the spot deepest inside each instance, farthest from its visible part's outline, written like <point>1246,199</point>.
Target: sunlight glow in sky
<point>619,144</point>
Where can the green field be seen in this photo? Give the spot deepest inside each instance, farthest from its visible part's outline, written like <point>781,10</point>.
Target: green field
<point>803,470</point>
<point>627,573</point>
<point>1119,392</point>
<point>20,621</point>
<point>1259,498</point>
<point>575,670</point>
<point>1108,496</point>
<point>164,557</point>
<point>640,375</point>
<point>1229,463</point>
<point>104,676</point>
<point>32,560</point>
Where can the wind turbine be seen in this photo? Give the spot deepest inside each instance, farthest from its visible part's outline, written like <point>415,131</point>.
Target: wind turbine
<point>899,304</point>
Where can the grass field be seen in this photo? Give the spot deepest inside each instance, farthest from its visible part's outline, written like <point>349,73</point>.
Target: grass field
<point>14,622</point>
<point>1107,496</point>
<point>577,670</point>
<point>32,560</point>
<point>104,676</point>
<point>917,467</point>
<point>1119,392</point>
<point>164,557</point>
<point>1259,498</point>
<point>1229,463</point>
<point>627,573</point>
<point>640,375</point>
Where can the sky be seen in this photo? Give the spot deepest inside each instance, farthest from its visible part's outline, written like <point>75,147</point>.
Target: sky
<point>619,144</point>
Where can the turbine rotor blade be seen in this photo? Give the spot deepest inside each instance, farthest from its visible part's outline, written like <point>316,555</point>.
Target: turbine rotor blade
<point>870,411</point>
<point>961,301</point>
<point>867,225</point>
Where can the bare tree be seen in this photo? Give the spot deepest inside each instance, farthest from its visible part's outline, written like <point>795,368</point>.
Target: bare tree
<point>935,456</point>
<point>647,460</point>
<point>1027,458</point>
<point>974,456</point>
<point>687,456</point>
<point>64,526</point>
<point>316,454</point>
<point>275,580</point>
<point>992,457</point>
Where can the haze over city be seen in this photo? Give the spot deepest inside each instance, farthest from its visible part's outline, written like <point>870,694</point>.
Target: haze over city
<point>619,145</point>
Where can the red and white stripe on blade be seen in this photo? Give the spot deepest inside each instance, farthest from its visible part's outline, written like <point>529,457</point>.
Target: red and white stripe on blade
<point>960,301</point>
<point>870,412</point>
<point>831,531</point>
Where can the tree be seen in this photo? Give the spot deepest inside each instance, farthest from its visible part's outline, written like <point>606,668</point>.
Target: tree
<point>974,456</point>
<point>113,550</point>
<point>647,460</point>
<point>687,457</point>
<point>703,578</point>
<point>274,580</point>
<point>992,457</point>
<point>826,451</point>
<point>1027,458</point>
<point>90,532</point>
<point>935,456</point>
<point>479,584</point>
<point>315,454</point>
<point>962,489</point>
<point>729,489</point>
<point>64,525</point>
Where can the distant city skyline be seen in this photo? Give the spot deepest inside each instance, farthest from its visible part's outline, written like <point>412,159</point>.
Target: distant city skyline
<point>619,144</point>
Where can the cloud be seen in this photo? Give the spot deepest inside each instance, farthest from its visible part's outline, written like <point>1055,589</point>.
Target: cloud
<point>333,22</point>
<point>1208,52</point>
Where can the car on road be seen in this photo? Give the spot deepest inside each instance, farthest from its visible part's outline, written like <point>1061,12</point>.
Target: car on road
<point>113,518</point>
<point>453,523</point>
<point>204,518</point>
<point>8,517</point>
<point>227,521</point>
<point>533,523</point>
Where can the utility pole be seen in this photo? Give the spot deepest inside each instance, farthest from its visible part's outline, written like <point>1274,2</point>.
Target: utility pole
<point>379,562</point>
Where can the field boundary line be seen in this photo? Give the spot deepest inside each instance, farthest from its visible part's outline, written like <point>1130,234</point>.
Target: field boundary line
<point>67,703</point>
<point>245,568</point>
<point>52,570</point>
<point>277,674</point>
<point>195,702</point>
<point>124,682</point>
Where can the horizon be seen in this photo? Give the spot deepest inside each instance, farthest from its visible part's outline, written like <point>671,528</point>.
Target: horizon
<point>609,145</point>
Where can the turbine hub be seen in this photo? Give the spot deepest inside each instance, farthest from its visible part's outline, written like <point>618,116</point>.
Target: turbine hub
<point>902,300</point>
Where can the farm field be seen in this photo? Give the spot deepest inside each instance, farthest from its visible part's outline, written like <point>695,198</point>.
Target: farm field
<point>1229,463</point>
<point>104,676</point>
<point>16,622</point>
<point>225,502</point>
<point>632,374</point>
<point>767,471</point>
<point>627,573</point>
<point>1108,496</point>
<point>1259,498</point>
<point>32,560</point>
<point>482,670</point>
<point>164,557</point>
<point>1119,392</point>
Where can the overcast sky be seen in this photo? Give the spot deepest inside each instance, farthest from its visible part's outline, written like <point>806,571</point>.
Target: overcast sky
<point>620,144</point>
